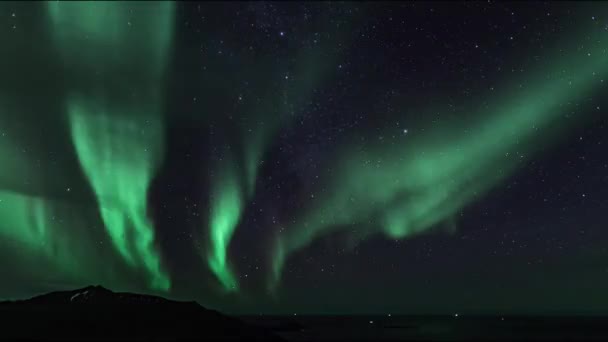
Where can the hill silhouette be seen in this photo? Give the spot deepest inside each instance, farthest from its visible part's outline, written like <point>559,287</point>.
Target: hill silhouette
<point>95,313</point>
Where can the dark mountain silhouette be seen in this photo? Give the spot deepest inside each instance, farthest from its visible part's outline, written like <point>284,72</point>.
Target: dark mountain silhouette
<point>95,313</point>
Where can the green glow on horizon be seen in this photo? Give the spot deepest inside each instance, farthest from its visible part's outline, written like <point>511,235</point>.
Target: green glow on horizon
<point>405,188</point>
<point>24,220</point>
<point>52,238</point>
<point>116,48</point>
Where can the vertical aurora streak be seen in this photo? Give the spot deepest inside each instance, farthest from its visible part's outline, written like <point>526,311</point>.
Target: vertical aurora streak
<point>116,121</point>
<point>226,209</point>
<point>113,154</point>
<point>404,189</point>
<point>232,190</point>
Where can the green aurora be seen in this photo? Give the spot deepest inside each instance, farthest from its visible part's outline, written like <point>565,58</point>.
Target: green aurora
<point>119,142</point>
<point>404,189</point>
<point>116,56</point>
<point>234,182</point>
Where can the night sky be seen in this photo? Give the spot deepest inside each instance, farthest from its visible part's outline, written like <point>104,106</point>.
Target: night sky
<point>320,158</point>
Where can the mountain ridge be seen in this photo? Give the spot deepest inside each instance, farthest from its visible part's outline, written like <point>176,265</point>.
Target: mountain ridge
<point>97,313</point>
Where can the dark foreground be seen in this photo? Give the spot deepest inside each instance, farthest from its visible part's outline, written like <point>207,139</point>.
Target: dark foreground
<point>97,314</point>
<point>435,328</point>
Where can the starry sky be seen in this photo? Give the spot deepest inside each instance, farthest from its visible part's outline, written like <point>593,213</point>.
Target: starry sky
<point>309,158</point>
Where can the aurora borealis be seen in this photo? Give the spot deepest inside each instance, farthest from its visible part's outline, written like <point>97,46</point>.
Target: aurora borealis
<point>118,142</point>
<point>308,157</point>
